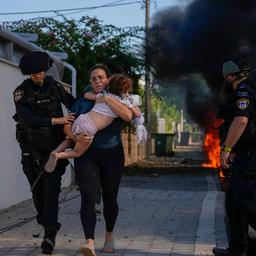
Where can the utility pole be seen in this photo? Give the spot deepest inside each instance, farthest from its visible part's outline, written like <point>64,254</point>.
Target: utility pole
<point>147,78</point>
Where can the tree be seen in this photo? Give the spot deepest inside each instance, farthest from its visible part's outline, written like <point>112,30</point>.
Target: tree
<point>168,111</point>
<point>88,42</point>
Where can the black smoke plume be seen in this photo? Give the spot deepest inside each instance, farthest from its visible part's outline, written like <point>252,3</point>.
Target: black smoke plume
<point>199,38</point>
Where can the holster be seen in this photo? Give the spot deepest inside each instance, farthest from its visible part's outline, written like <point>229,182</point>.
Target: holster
<point>25,144</point>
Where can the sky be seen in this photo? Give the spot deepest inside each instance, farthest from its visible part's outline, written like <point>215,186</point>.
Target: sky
<point>132,14</point>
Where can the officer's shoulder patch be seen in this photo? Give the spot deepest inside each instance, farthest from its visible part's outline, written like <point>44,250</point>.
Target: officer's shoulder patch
<point>243,103</point>
<point>18,95</point>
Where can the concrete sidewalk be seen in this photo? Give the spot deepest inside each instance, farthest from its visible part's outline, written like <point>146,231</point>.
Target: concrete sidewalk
<point>163,215</point>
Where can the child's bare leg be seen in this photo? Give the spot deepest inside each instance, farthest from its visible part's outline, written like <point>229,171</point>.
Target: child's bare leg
<point>52,161</point>
<point>67,143</point>
<point>82,144</point>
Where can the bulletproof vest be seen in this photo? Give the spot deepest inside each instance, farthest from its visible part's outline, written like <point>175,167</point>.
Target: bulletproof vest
<point>45,104</point>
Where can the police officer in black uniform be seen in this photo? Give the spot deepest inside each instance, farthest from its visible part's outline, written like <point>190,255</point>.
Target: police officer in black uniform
<point>239,142</point>
<point>40,123</point>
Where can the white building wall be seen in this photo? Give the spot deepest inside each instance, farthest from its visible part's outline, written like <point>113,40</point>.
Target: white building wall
<point>14,187</point>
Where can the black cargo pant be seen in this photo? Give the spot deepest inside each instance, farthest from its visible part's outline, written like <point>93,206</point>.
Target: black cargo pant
<point>47,190</point>
<point>240,190</point>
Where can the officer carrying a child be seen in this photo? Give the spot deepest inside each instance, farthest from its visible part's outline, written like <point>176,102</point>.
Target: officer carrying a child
<point>239,153</point>
<point>40,121</point>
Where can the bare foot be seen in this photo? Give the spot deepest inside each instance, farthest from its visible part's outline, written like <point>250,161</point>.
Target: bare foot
<point>51,163</point>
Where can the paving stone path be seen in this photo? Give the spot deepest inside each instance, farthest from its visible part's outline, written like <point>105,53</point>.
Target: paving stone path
<point>163,215</point>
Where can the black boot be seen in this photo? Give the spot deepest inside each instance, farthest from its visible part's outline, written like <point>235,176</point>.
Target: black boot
<point>48,242</point>
<point>226,252</point>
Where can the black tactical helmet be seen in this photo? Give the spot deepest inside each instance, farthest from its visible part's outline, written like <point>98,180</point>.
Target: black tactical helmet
<point>34,62</point>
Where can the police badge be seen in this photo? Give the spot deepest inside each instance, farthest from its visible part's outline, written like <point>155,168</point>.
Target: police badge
<point>243,103</point>
<point>18,95</point>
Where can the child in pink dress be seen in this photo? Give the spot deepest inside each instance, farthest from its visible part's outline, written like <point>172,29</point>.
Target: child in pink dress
<point>100,116</point>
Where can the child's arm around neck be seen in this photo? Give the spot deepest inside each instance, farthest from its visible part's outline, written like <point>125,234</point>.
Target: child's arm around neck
<point>90,96</point>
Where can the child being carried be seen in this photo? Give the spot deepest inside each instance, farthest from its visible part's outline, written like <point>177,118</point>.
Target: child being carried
<point>97,119</point>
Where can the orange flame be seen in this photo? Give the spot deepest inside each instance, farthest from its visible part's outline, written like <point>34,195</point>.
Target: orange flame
<point>212,149</point>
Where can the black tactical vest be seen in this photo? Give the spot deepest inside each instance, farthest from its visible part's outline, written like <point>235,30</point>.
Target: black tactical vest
<point>45,104</point>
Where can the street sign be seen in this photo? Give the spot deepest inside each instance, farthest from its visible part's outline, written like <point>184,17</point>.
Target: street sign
<point>60,55</point>
<point>31,37</point>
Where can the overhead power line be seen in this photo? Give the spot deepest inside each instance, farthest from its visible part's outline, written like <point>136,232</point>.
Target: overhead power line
<point>71,9</point>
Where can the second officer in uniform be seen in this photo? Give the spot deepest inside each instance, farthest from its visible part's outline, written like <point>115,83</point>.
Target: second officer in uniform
<point>239,141</point>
